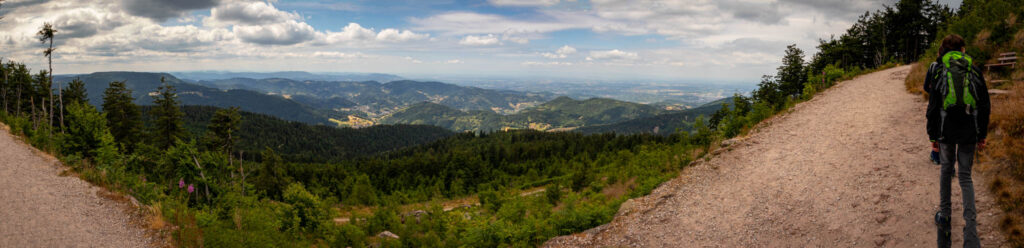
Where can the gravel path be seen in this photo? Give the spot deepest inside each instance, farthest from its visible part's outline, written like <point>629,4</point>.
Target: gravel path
<point>846,169</point>
<point>40,208</point>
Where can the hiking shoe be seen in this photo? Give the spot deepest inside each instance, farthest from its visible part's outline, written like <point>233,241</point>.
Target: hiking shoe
<point>942,227</point>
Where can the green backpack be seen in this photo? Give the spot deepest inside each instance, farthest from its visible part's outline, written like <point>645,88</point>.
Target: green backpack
<point>956,82</point>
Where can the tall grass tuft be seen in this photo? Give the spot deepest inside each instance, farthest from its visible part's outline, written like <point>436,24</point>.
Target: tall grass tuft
<point>1005,160</point>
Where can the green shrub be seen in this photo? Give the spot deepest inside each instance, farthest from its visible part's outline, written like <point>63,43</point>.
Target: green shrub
<point>490,199</point>
<point>87,134</point>
<point>349,235</point>
<point>808,91</point>
<point>306,213</point>
<point>553,193</point>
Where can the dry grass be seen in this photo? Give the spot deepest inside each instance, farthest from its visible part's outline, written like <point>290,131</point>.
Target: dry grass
<point>982,40</point>
<point>1018,41</point>
<point>1003,161</point>
<point>619,189</point>
<point>915,79</point>
<point>155,217</point>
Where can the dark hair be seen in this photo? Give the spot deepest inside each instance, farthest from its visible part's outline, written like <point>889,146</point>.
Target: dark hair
<point>951,43</point>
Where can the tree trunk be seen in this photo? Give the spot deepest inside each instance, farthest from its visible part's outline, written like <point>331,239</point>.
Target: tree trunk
<point>206,184</point>
<point>35,120</point>
<point>18,106</point>
<point>49,88</point>
<point>7,84</point>
<point>241,170</point>
<point>60,92</point>
<point>61,99</point>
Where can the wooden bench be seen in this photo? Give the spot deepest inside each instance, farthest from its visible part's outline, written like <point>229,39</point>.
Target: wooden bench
<point>1005,59</point>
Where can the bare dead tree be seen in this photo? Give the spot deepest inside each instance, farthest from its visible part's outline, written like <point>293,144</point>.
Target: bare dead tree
<point>45,35</point>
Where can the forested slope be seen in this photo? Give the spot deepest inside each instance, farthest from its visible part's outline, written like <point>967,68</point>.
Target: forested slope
<point>301,142</point>
<point>144,83</point>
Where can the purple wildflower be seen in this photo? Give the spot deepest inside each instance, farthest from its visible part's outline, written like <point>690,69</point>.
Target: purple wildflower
<point>190,188</point>
<point>181,183</point>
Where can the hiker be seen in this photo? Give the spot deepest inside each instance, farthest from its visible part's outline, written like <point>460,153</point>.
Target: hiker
<point>958,115</point>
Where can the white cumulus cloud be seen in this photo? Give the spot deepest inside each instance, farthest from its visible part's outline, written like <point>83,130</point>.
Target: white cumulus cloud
<point>286,33</point>
<point>561,53</point>
<point>393,35</point>
<point>523,3</point>
<point>247,13</point>
<point>355,33</point>
<point>612,55</point>
<point>473,40</point>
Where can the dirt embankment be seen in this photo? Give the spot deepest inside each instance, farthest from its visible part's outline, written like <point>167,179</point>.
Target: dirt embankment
<point>846,169</point>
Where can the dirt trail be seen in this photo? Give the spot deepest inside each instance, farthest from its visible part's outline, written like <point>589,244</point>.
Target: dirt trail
<point>846,169</point>
<point>39,208</point>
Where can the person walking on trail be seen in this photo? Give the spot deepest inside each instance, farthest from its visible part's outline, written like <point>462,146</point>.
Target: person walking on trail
<point>958,116</point>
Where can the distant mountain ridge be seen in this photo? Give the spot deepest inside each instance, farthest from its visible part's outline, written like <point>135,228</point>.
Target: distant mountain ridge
<point>351,103</point>
<point>294,75</point>
<point>663,124</point>
<point>372,98</point>
<point>143,83</point>
<point>560,113</point>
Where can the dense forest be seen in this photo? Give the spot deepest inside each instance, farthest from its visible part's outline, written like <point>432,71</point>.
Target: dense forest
<point>523,186</point>
<point>301,142</point>
<point>662,124</point>
<point>141,84</point>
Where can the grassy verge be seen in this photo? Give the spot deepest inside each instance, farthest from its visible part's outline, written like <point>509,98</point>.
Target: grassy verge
<point>1002,164</point>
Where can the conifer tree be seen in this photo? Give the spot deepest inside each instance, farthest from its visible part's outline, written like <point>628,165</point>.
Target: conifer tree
<point>168,126</point>
<point>75,92</point>
<point>38,93</point>
<point>122,113</point>
<point>271,177</point>
<point>220,133</point>
<point>20,79</point>
<point>791,74</point>
<point>88,134</point>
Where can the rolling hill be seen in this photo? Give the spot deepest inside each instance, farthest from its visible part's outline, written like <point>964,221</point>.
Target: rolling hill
<point>665,124</point>
<point>375,99</point>
<point>560,113</point>
<point>301,142</point>
<point>142,83</point>
<point>193,76</point>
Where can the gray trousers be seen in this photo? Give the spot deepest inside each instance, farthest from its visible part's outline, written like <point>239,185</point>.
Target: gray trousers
<point>962,154</point>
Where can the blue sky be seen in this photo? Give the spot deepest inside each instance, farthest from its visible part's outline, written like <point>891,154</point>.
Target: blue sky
<point>673,40</point>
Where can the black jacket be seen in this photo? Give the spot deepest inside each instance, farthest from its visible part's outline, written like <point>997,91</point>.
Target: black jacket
<point>958,127</point>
